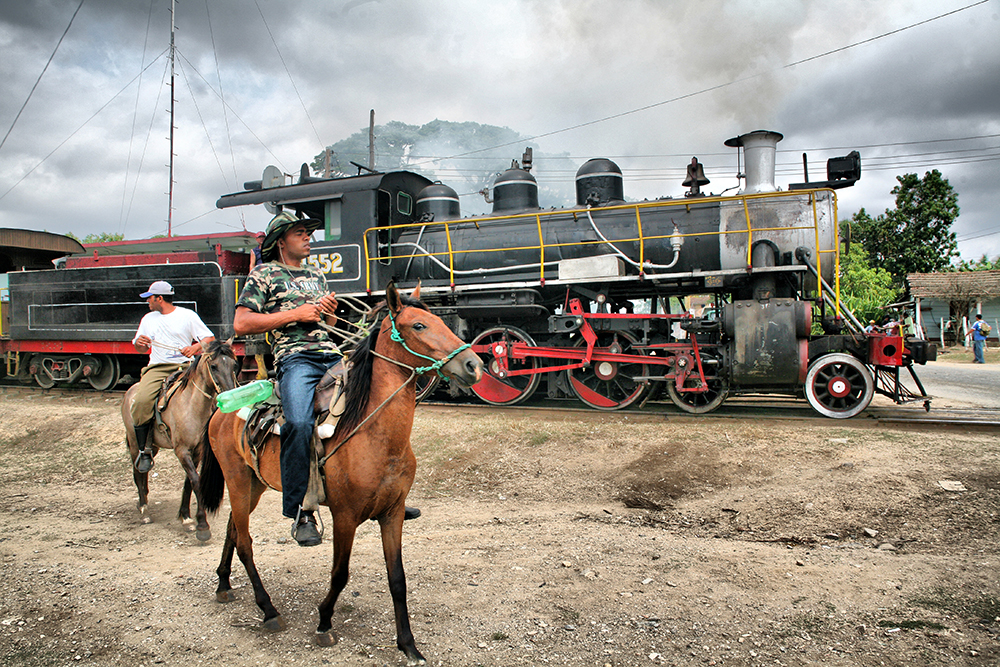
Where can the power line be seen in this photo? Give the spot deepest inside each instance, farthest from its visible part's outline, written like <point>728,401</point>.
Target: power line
<point>749,77</point>
<point>294,87</point>
<point>31,92</point>
<point>85,123</point>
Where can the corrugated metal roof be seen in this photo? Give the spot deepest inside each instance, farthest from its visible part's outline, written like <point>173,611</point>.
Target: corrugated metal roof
<point>241,241</point>
<point>955,285</point>
<point>45,242</point>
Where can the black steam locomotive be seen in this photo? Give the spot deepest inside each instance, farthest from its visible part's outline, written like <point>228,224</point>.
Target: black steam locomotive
<point>611,301</point>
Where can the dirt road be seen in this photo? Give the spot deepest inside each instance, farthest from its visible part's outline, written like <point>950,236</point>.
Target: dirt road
<point>605,542</point>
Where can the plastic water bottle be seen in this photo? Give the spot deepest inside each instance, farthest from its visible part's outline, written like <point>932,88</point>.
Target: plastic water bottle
<point>248,394</point>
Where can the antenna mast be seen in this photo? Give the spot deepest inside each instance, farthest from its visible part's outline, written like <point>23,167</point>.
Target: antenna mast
<point>170,193</point>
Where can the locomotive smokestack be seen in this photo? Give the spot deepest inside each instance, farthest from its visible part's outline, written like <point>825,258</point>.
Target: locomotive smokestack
<point>759,148</point>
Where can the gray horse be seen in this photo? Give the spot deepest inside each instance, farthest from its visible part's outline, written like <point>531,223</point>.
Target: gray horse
<point>185,421</point>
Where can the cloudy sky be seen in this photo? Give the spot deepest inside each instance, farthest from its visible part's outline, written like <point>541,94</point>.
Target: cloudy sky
<point>913,85</point>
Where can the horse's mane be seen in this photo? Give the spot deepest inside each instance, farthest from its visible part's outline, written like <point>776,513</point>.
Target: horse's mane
<point>208,352</point>
<point>359,380</point>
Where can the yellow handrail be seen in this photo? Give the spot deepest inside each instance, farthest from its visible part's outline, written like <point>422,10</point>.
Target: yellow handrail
<point>640,237</point>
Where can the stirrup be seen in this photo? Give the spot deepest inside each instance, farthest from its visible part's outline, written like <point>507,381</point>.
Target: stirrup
<point>141,460</point>
<point>318,528</point>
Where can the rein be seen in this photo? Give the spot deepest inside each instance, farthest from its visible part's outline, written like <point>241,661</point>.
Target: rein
<point>436,367</point>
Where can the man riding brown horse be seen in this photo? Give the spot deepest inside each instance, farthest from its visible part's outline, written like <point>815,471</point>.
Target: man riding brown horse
<point>290,299</point>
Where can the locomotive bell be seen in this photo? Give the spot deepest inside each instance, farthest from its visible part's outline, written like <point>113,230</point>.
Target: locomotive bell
<point>695,178</point>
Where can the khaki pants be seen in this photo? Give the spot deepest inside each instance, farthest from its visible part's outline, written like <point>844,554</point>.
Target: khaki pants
<point>149,388</point>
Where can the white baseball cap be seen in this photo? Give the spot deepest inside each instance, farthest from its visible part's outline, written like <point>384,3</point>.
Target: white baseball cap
<point>159,288</point>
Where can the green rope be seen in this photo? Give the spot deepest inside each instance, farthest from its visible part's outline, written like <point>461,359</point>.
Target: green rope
<point>436,364</point>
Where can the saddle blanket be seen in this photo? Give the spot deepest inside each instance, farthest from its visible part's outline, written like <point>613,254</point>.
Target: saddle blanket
<point>324,431</point>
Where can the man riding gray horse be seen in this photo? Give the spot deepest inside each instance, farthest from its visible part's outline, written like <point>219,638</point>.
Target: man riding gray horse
<point>171,335</point>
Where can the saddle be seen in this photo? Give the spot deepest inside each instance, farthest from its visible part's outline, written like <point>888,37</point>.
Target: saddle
<point>168,389</point>
<point>265,419</point>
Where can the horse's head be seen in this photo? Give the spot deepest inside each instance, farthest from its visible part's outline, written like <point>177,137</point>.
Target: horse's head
<point>219,366</point>
<point>428,342</point>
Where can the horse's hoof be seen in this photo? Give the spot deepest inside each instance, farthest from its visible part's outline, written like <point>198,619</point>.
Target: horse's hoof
<point>413,656</point>
<point>327,638</point>
<point>203,535</point>
<point>188,523</point>
<point>224,596</point>
<point>276,624</point>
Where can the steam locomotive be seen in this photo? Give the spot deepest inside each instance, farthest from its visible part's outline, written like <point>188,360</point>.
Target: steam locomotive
<point>594,301</point>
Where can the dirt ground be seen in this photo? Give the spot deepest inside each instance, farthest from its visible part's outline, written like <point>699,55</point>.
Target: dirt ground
<point>610,540</point>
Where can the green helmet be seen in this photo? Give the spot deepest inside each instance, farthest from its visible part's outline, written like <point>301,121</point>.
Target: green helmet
<point>280,224</point>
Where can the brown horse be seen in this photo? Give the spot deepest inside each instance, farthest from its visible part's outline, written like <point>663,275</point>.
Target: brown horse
<point>369,465</point>
<point>186,420</point>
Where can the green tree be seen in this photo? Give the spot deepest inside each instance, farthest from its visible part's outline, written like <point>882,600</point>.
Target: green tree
<point>103,237</point>
<point>482,151</point>
<point>865,289</point>
<point>981,264</point>
<point>915,236</point>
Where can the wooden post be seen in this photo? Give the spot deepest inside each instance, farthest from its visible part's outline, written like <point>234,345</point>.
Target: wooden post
<point>919,318</point>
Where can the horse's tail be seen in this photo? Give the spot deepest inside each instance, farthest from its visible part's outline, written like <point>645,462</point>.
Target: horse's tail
<point>212,483</point>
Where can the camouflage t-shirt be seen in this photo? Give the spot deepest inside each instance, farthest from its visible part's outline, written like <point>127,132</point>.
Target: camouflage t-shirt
<point>274,287</point>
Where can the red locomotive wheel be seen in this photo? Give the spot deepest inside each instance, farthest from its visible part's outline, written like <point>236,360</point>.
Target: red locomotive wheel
<point>839,386</point>
<point>494,388</point>
<point>698,403</point>
<point>607,385</point>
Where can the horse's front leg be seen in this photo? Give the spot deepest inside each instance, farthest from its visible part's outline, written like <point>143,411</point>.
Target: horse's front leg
<point>204,533</point>
<point>343,543</point>
<point>392,548</point>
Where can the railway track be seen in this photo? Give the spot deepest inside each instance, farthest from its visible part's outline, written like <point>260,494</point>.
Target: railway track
<point>765,407</point>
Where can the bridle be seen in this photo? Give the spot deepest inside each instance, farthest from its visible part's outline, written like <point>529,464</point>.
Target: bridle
<point>215,383</point>
<point>435,366</point>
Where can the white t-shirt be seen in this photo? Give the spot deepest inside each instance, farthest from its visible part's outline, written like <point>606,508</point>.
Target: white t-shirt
<point>170,333</point>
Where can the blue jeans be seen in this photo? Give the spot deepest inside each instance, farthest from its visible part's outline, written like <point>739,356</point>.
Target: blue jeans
<point>977,350</point>
<point>298,375</point>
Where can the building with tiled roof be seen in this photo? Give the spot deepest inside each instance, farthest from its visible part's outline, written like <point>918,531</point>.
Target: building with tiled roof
<point>952,299</point>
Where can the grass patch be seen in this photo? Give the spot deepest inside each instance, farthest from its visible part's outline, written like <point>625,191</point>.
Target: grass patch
<point>979,606</point>
<point>568,615</point>
<point>912,625</point>
<point>499,636</point>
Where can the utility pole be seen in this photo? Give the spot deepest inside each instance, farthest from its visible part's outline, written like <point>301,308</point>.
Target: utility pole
<point>170,193</point>
<point>371,141</point>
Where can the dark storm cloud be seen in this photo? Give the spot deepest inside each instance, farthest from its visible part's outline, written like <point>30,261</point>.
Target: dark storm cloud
<point>537,67</point>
